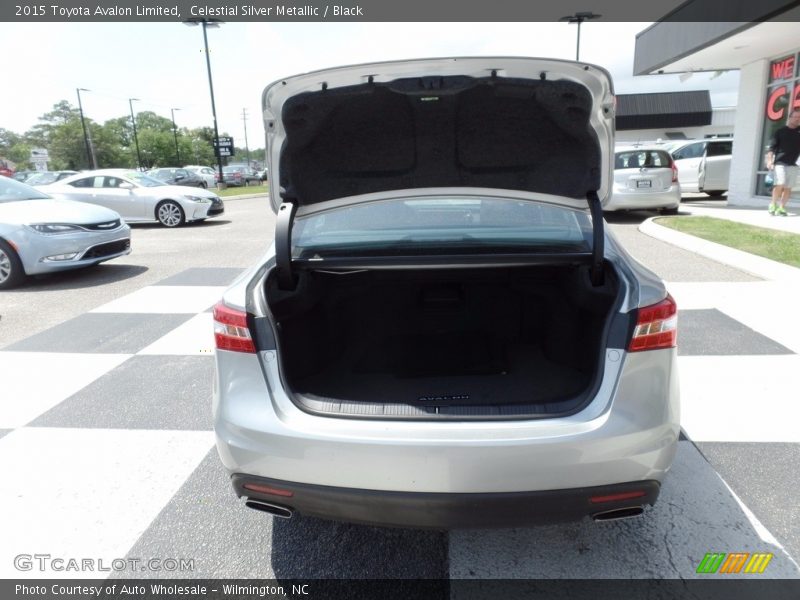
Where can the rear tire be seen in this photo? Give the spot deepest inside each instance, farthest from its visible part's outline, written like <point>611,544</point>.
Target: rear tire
<point>11,271</point>
<point>170,214</point>
<point>715,193</point>
<point>670,211</point>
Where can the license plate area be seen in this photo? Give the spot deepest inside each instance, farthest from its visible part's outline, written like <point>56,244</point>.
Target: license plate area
<point>644,183</point>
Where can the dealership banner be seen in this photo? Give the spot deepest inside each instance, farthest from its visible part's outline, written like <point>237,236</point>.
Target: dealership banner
<point>709,588</point>
<point>387,10</point>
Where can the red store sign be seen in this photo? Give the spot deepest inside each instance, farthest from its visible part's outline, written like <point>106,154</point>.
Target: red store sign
<point>787,95</point>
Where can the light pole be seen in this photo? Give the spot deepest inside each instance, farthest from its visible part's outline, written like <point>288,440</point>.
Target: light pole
<point>135,136</point>
<point>213,23</point>
<point>90,162</point>
<point>175,132</point>
<point>246,145</point>
<point>579,17</point>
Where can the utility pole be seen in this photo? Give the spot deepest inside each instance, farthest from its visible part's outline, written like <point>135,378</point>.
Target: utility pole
<point>135,136</point>
<point>246,146</point>
<point>91,162</point>
<point>213,23</point>
<point>175,133</point>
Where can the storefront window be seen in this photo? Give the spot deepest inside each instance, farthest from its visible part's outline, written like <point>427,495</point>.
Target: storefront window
<point>783,96</point>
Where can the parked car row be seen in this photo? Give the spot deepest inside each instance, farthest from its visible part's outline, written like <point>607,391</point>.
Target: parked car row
<point>654,176</point>
<point>81,219</point>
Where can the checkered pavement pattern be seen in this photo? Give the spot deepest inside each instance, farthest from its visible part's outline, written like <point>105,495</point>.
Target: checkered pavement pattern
<point>107,449</point>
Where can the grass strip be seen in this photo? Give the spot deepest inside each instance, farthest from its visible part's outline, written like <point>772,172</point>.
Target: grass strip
<point>243,190</point>
<point>780,246</point>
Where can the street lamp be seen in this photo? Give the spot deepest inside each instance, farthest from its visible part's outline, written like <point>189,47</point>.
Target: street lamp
<point>175,132</point>
<point>90,161</point>
<point>579,17</point>
<point>213,23</point>
<point>135,136</point>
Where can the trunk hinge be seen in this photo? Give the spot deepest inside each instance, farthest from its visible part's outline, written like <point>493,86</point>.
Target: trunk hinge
<point>283,245</point>
<point>598,241</point>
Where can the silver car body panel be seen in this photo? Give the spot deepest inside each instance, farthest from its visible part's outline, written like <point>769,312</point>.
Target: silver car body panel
<point>630,437</point>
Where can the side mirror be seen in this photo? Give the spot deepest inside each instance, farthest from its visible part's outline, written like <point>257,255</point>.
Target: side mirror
<point>126,186</point>
<point>179,177</point>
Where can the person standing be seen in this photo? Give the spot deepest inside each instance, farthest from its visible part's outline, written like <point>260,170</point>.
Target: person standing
<point>784,150</point>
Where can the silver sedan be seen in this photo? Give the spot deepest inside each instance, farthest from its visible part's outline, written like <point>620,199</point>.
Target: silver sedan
<point>41,235</point>
<point>138,197</point>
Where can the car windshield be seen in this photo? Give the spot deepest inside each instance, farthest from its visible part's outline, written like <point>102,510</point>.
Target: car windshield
<point>442,225</point>
<point>42,178</point>
<point>142,179</point>
<point>13,191</point>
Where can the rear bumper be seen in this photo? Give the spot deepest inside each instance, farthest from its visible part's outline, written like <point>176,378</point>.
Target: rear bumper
<point>625,199</point>
<point>449,511</point>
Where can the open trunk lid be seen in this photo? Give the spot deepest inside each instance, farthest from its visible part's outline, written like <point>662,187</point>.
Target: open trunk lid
<point>540,129</point>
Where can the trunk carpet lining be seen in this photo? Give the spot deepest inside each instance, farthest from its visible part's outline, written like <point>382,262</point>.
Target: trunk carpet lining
<point>479,375</point>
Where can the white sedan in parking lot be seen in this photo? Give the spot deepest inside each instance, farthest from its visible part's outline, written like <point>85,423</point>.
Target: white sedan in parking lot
<point>138,197</point>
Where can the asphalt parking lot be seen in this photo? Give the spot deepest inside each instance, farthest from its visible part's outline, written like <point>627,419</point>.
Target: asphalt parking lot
<point>110,372</point>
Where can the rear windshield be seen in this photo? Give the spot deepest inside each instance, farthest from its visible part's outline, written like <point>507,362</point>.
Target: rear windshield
<point>443,225</point>
<point>637,159</point>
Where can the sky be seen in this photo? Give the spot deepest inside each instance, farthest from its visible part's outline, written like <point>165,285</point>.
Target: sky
<point>163,64</point>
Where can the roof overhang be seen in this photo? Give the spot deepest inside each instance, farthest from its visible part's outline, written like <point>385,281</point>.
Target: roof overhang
<point>754,31</point>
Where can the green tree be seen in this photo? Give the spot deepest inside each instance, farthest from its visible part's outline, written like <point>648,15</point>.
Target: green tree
<point>61,133</point>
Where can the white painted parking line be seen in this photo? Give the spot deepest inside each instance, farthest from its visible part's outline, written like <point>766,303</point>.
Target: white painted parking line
<point>740,398</point>
<point>177,299</point>
<point>195,337</point>
<point>696,514</point>
<point>760,305</point>
<point>87,493</point>
<point>34,382</point>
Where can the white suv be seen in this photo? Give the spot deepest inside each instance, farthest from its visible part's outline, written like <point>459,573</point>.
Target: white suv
<point>704,165</point>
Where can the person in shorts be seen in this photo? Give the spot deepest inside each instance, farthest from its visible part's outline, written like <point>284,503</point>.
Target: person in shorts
<point>784,150</point>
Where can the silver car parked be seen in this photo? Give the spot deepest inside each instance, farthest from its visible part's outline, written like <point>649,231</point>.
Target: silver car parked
<point>41,235</point>
<point>138,197</point>
<point>644,178</point>
<point>444,334</point>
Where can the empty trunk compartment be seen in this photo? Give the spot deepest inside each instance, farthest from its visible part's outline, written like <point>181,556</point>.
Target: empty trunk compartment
<point>516,342</point>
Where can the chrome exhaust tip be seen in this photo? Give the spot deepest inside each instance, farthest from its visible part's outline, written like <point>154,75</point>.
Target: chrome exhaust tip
<point>273,509</point>
<point>618,513</point>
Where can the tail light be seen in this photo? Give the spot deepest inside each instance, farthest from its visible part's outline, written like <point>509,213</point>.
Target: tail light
<point>656,326</point>
<point>674,168</point>
<point>230,330</point>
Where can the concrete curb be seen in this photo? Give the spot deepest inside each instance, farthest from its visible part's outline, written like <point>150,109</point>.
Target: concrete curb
<point>744,261</point>
<point>244,196</point>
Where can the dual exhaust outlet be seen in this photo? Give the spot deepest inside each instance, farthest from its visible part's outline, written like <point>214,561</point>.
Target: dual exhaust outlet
<point>274,509</point>
<point>286,513</point>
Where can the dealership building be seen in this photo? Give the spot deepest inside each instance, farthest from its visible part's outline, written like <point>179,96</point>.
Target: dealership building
<point>762,41</point>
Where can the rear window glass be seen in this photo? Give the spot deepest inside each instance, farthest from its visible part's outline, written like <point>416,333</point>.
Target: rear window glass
<point>637,159</point>
<point>719,149</point>
<point>442,225</point>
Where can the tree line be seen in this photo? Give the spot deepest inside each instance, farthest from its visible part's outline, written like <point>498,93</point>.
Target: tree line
<point>112,143</point>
